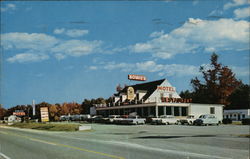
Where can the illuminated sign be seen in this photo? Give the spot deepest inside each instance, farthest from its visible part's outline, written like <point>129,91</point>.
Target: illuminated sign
<point>137,77</point>
<point>175,100</point>
<point>130,93</point>
<point>164,88</point>
<point>44,114</point>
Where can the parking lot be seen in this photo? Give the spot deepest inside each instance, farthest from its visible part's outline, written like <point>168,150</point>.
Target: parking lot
<point>130,142</point>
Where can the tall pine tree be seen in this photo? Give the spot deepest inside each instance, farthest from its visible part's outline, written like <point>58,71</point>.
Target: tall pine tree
<point>219,82</point>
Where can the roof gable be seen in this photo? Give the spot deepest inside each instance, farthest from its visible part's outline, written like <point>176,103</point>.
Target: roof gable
<point>150,87</point>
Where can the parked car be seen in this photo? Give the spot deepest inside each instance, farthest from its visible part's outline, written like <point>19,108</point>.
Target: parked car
<point>167,119</point>
<point>206,119</point>
<point>85,117</point>
<point>111,119</point>
<point>95,119</point>
<point>189,120</point>
<point>134,120</point>
<point>119,120</point>
<point>150,118</point>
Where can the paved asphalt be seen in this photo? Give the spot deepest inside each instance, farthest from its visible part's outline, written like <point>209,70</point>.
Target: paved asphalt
<point>127,142</point>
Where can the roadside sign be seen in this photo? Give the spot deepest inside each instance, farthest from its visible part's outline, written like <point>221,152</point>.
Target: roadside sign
<point>44,114</point>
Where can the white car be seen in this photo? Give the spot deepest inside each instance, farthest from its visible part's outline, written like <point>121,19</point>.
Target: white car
<point>113,118</point>
<point>206,119</point>
<point>134,120</point>
<point>189,120</point>
<point>167,119</point>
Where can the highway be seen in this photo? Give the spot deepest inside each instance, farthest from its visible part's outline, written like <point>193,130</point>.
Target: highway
<point>126,142</point>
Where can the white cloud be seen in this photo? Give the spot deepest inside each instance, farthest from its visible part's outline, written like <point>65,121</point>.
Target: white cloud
<point>34,41</point>
<point>8,7</point>
<point>37,44</point>
<point>235,3</point>
<point>76,32</point>
<point>242,13</point>
<point>59,31</point>
<point>156,34</point>
<point>216,12</point>
<point>76,48</point>
<point>72,32</point>
<point>93,67</point>
<point>151,66</point>
<point>197,34</point>
<point>27,57</point>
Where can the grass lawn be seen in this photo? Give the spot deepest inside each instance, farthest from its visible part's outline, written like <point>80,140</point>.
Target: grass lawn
<point>48,126</point>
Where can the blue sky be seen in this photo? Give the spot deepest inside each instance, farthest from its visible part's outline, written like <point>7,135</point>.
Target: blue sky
<point>68,51</point>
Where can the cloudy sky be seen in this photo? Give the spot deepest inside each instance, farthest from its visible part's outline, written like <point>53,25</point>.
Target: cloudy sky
<point>68,51</point>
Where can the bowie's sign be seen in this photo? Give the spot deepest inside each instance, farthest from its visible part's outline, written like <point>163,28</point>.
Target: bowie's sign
<point>137,77</point>
<point>164,88</point>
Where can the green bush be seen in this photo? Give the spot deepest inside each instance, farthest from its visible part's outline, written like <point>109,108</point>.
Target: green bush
<point>227,121</point>
<point>245,121</point>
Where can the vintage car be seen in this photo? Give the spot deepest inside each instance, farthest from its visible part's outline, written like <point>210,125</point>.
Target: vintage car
<point>189,120</point>
<point>167,120</point>
<point>133,120</point>
<point>207,119</point>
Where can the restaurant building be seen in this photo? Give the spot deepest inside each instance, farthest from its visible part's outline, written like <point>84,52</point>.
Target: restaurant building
<point>154,99</point>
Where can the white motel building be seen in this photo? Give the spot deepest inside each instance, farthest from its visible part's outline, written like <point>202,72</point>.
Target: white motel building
<point>154,99</point>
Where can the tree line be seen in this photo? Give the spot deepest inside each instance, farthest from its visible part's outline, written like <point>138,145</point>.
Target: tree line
<point>55,110</point>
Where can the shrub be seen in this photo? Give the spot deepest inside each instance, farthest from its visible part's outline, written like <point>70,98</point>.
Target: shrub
<point>245,121</point>
<point>227,121</point>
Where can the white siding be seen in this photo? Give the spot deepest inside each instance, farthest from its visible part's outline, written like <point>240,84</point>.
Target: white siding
<point>199,109</point>
<point>156,95</point>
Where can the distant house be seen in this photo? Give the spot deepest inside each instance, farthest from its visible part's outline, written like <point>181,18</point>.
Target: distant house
<point>236,114</point>
<point>14,119</point>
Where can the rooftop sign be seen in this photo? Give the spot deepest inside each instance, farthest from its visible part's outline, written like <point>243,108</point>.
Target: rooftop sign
<point>137,77</point>
<point>130,93</point>
<point>165,88</point>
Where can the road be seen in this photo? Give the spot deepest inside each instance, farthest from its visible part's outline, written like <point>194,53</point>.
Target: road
<point>127,142</point>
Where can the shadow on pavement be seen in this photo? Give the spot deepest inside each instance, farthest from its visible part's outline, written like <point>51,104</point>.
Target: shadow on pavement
<point>171,137</point>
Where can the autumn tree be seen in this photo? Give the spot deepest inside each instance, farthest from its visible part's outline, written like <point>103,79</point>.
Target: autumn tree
<point>54,113</point>
<point>219,82</point>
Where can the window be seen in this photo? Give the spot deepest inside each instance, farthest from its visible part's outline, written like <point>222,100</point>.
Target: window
<point>212,110</point>
<point>243,116</point>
